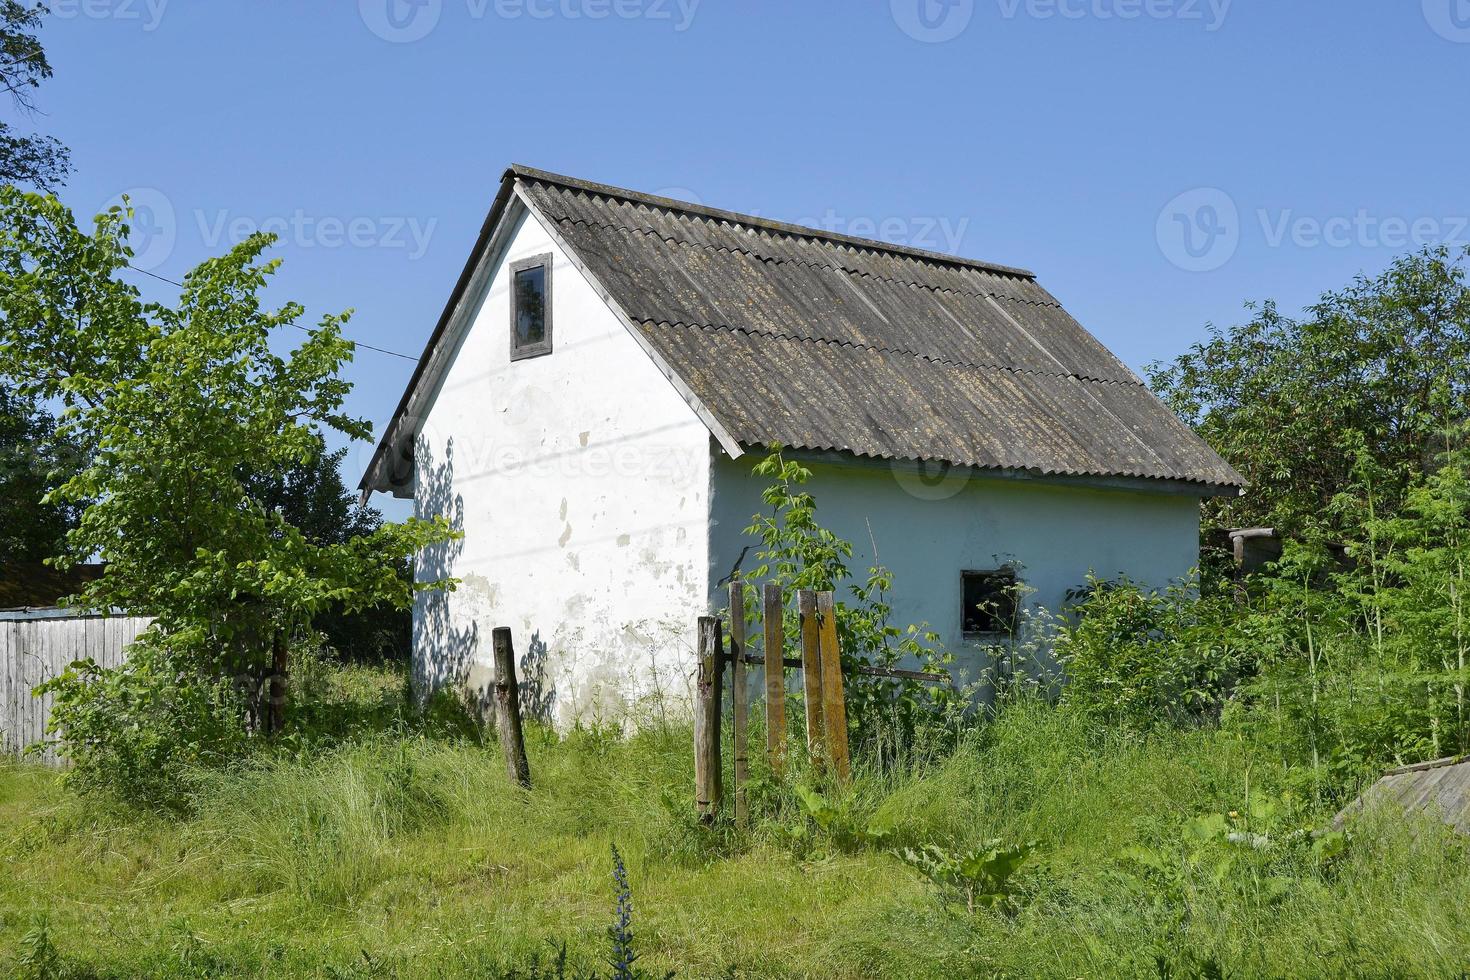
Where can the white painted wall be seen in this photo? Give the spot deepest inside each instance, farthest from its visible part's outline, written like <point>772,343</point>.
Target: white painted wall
<point>926,535</point>
<point>581,483</point>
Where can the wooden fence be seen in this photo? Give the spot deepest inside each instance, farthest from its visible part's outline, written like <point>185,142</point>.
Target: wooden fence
<point>35,646</point>
<point>823,691</point>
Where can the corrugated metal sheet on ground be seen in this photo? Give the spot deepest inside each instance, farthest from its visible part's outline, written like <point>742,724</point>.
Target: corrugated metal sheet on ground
<point>1441,787</point>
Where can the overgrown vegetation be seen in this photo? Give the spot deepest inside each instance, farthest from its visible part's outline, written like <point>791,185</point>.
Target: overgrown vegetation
<point>182,408</point>
<point>411,855</point>
<point>891,718</point>
<point>1381,367</point>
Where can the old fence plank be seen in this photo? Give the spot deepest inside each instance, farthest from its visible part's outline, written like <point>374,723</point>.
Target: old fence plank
<point>508,709</point>
<point>775,679</point>
<point>739,698</point>
<point>834,704</point>
<point>811,673</point>
<point>36,646</point>
<point>708,781</point>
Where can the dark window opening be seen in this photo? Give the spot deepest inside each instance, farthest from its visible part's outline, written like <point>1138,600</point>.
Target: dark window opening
<point>530,307</point>
<point>989,602</point>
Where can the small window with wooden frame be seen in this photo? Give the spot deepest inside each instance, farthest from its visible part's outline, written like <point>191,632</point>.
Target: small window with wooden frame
<point>530,307</point>
<point>988,606</point>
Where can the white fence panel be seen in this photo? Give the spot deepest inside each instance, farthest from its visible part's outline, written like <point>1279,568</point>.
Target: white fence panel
<point>37,645</point>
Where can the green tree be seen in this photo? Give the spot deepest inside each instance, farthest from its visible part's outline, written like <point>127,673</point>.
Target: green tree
<point>1381,367</point>
<point>33,462</point>
<point>179,404</point>
<point>39,161</point>
<point>312,497</point>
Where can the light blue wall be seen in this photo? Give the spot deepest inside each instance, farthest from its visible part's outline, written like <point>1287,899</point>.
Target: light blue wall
<point>927,533</point>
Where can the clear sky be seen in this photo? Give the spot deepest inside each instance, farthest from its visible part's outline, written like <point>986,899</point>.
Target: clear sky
<point>1157,162</point>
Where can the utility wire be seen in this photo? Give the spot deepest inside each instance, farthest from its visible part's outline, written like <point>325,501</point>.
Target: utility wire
<point>22,60</point>
<point>290,323</point>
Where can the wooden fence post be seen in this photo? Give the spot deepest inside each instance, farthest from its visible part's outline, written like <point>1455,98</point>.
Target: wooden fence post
<point>834,702</point>
<point>508,709</point>
<point>708,787</point>
<point>775,680</point>
<point>811,673</point>
<point>739,697</point>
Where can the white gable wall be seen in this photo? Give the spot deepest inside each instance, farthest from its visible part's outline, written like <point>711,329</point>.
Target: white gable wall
<point>581,482</point>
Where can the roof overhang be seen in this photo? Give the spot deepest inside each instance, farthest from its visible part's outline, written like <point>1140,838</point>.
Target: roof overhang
<point>391,468</point>
<point>1091,481</point>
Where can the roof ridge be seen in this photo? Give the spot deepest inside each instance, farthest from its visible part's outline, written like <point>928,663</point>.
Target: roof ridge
<point>873,348</point>
<point>769,224</point>
<point>1053,305</point>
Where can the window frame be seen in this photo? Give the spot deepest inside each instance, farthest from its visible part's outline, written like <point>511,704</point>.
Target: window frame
<point>542,347</point>
<point>1013,581</point>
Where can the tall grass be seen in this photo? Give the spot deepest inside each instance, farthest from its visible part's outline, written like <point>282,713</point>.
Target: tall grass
<point>406,856</point>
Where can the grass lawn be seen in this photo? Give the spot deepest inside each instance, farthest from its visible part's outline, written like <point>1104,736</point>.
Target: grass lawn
<point>403,856</point>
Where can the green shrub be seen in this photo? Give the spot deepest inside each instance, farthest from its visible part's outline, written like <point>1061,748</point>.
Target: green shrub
<point>1137,658</point>
<point>979,877</point>
<point>137,731</point>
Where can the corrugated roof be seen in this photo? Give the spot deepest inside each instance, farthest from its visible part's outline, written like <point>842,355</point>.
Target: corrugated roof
<point>793,336</point>
<point>827,342</point>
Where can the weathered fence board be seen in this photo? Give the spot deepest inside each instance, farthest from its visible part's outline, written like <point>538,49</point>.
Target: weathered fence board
<point>739,698</point>
<point>708,778</point>
<point>508,709</point>
<point>834,700</point>
<point>36,646</point>
<point>824,690</point>
<point>775,680</point>
<point>811,674</point>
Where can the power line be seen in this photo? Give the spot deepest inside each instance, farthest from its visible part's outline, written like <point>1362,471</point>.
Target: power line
<point>289,323</point>
<point>39,52</point>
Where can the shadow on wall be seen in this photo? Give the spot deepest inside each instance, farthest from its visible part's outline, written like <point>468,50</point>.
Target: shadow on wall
<point>451,647</point>
<point>443,653</point>
<point>538,693</point>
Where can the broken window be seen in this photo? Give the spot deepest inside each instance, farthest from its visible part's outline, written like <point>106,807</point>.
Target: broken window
<point>530,307</point>
<point>989,602</point>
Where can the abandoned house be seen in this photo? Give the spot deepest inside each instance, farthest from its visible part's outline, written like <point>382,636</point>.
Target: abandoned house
<point>611,365</point>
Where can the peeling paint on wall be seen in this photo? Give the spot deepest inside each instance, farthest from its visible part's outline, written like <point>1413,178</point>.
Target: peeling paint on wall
<point>551,519</point>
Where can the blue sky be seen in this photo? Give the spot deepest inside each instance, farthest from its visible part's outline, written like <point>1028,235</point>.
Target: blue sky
<point>1157,162</point>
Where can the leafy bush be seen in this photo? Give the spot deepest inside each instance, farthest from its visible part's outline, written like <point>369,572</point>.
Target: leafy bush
<point>980,877</point>
<point>137,731</point>
<point>1363,660</point>
<point>184,409</point>
<point>838,822</point>
<point>1137,657</point>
